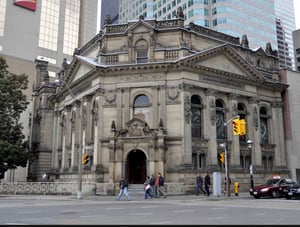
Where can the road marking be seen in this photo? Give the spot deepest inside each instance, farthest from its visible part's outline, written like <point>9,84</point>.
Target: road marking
<point>160,223</point>
<point>178,211</point>
<point>141,213</point>
<point>29,212</point>
<point>115,208</point>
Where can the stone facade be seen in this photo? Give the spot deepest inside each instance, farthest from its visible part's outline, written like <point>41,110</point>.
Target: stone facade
<point>157,96</point>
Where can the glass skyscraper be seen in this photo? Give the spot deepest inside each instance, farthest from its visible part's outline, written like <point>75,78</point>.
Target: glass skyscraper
<point>256,19</point>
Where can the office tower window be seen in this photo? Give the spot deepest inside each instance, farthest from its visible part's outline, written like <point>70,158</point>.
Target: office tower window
<point>71,26</point>
<point>2,18</point>
<point>49,24</point>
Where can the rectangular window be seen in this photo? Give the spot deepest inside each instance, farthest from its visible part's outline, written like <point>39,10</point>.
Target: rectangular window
<point>142,56</point>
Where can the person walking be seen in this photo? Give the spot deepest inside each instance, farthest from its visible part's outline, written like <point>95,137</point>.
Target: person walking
<point>147,188</point>
<point>159,183</point>
<point>207,184</point>
<point>123,185</point>
<point>152,184</point>
<point>199,184</point>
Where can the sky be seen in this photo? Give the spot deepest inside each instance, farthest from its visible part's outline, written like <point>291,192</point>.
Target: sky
<point>297,13</point>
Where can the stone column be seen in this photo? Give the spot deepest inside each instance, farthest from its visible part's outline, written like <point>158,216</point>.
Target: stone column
<point>232,140</point>
<point>210,131</point>
<point>278,135</point>
<point>187,135</point>
<point>125,105</point>
<point>253,130</point>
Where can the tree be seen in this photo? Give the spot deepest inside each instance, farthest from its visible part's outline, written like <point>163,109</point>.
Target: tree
<point>13,147</point>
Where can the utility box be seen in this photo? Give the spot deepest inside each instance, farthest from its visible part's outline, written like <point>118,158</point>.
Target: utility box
<point>217,184</point>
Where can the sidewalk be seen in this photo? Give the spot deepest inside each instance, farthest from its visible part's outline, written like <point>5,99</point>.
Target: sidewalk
<point>243,195</point>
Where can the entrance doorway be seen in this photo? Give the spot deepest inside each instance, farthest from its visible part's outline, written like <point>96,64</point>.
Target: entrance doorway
<point>136,169</point>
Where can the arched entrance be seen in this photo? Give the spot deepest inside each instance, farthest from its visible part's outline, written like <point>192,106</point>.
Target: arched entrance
<point>136,167</point>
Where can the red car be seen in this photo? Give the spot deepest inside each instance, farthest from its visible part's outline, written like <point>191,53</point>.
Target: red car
<point>272,188</point>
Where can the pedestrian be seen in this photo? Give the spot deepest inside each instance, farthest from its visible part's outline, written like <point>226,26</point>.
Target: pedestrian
<point>147,188</point>
<point>207,184</point>
<point>152,184</point>
<point>159,186</point>
<point>123,185</point>
<point>199,184</point>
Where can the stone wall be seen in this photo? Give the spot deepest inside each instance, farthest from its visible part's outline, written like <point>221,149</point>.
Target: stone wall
<point>101,189</point>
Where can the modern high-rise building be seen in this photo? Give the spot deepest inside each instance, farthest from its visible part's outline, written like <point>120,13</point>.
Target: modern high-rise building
<point>256,19</point>
<point>296,41</point>
<point>48,29</point>
<point>111,9</point>
<point>285,24</point>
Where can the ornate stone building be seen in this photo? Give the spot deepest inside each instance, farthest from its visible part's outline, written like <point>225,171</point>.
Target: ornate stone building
<point>157,96</point>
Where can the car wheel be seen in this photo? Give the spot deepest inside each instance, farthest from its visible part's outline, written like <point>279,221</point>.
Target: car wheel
<point>256,196</point>
<point>275,194</point>
<point>288,197</point>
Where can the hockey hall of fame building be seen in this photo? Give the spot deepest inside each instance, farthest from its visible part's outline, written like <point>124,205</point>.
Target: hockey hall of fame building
<point>155,96</point>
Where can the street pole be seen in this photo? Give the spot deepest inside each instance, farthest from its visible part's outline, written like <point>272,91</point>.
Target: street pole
<point>249,142</point>
<point>226,156</point>
<point>80,146</point>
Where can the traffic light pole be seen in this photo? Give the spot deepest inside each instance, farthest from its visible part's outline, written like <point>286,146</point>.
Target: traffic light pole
<point>226,155</point>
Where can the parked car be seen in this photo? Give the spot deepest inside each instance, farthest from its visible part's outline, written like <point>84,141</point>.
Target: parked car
<point>293,191</point>
<point>272,188</point>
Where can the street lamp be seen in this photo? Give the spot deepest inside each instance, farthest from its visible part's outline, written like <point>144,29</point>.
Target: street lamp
<point>79,191</point>
<point>249,142</point>
<point>225,146</point>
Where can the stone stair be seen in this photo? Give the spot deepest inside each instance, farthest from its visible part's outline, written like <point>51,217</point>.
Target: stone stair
<point>136,190</point>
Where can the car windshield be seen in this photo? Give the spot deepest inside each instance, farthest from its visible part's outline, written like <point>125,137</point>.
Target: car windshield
<point>272,181</point>
<point>290,181</point>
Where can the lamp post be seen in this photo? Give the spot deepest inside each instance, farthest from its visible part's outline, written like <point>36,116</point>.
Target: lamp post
<point>79,190</point>
<point>249,142</point>
<point>225,146</point>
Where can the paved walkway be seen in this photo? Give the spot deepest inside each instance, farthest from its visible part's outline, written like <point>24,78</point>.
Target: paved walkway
<point>242,195</point>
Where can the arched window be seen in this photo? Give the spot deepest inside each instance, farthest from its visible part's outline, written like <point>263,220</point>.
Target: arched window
<point>141,51</point>
<point>220,109</point>
<point>141,107</point>
<point>264,132</point>
<point>196,116</point>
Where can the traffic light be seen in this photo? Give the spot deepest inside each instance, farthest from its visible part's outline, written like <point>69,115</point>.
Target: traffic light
<point>222,157</point>
<point>85,159</point>
<point>236,126</point>
<point>242,127</point>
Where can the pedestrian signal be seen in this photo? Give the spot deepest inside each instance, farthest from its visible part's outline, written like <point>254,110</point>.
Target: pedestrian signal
<point>242,127</point>
<point>236,126</point>
<point>85,159</point>
<point>222,158</point>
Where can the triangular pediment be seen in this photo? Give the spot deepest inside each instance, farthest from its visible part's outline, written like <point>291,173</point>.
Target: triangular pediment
<point>81,66</point>
<point>226,60</point>
<point>140,27</point>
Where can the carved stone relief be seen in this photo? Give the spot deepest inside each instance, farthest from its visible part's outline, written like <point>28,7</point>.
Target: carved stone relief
<point>212,107</point>
<point>110,97</point>
<point>187,109</point>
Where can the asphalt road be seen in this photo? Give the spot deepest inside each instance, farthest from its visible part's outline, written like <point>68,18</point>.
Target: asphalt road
<point>190,210</point>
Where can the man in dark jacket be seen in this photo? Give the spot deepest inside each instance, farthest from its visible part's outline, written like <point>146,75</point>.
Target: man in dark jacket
<point>207,184</point>
<point>123,185</point>
<point>199,184</point>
